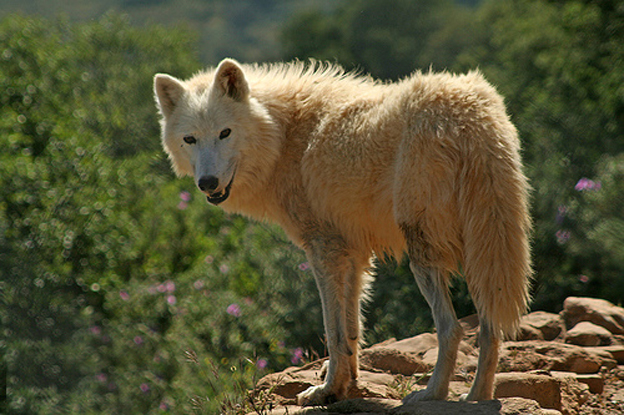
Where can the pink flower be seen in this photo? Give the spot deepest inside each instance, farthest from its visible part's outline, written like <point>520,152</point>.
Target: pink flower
<point>583,278</point>
<point>124,295</point>
<point>234,310</point>
<point>224,269</point>
<point>101,377</point>
<point>170,286</point>
<point>96,330</point>
<point>297,356</point>
<point>262,363</point>
<point>587,184</point>
<point>185,196</point>
<point>171,299</point>
<point>198,285</point>
<point>304,266</point>
<point>563,236</point>
<point>145,387</point>
<point>138,340</point>
<point>182,205</point>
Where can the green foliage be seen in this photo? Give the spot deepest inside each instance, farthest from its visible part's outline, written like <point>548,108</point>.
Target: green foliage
<point>243,29</point>
<point>95,230</point>
<point>560,66</point>
<point>593,227</point>
<point>385,39</point>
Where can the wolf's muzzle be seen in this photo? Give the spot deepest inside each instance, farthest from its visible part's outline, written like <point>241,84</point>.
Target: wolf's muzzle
<point>209,185</point>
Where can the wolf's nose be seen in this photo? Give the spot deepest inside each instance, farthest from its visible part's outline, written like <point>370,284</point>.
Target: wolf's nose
<point>208,183</point>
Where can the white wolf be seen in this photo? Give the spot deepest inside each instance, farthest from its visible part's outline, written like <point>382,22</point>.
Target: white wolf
<point>350,167</point>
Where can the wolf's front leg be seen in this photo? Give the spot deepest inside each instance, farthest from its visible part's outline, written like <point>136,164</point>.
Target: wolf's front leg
<point>339,282</point>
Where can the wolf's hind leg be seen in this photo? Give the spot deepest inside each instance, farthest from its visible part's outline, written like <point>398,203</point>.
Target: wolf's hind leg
<point>338,277</point>
<point>483,386</point>
<point>433,285</point>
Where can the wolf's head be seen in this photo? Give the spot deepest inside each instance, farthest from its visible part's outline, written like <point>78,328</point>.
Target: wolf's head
<point>210,124</point>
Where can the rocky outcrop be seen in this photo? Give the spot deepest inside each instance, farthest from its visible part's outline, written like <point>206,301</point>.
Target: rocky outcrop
<point>568,363</point>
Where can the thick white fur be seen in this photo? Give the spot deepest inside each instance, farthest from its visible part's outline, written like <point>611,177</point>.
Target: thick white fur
<point>350,167</point>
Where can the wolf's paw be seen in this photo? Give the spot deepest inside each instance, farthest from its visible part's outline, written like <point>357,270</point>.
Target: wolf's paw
<point>324,369</point>
<point>318,395</point>
<point>424,395</point>
<point>473,397</point>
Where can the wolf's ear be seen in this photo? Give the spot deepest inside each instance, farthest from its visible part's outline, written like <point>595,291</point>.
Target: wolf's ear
<point>230,80</point>
<point>168,91</point>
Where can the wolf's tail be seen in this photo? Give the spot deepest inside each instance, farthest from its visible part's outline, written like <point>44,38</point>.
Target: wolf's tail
<point>496,227</point>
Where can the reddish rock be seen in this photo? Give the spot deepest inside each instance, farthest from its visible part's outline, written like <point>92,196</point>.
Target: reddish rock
<point>597,311</point>
<point>417,345</point>
<point>393,361</point>
<point>588,334</point>
<point>527,332</point>
<point>615,351</point>
<point>525,356</point>
<point>594,381</point>
<point>542,388</point>
<point>549,325</point>
<point>563,393</point>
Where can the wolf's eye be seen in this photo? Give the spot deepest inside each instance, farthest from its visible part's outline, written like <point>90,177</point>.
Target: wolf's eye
<point>224,134</point>
<point>189,139</point>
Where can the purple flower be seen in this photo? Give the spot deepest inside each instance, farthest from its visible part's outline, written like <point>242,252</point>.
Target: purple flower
<point>185,196</point>
<point>124,295</point>
<point>297,356</point>
<point>234,310</point>
<point>587,184</point>
<point>262,363</point>
<point>563,236</point>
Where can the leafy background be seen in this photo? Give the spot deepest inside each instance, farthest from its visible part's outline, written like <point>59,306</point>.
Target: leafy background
<point>123,292</point>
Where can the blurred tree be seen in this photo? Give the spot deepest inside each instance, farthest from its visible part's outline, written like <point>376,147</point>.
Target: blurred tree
<point>70,213</point>
<point>388,39</point>
<point>560,64</point>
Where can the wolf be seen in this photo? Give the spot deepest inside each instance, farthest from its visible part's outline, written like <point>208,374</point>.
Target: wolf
<point>352,168</point>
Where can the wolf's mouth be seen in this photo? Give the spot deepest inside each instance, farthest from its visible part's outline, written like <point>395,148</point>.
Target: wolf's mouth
<point>220,197</point>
